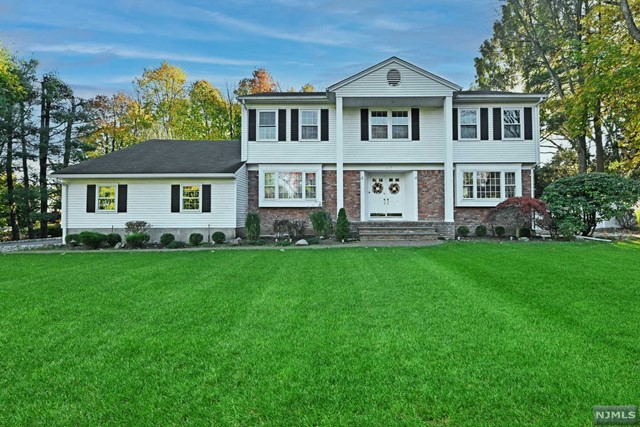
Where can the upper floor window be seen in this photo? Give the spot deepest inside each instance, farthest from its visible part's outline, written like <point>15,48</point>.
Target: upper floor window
<point>107,198</point>
<point>191,198</point>
<point>512,123</point>
<point>267,125</point>
<point>309,124</point>
<point>383,128</point>
<point>468,123</point>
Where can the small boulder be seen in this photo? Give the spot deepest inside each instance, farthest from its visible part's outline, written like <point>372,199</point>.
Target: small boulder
<point>524,239</point>
<point>235,242</point>
<point>302,242</point>
<point>119,245</point>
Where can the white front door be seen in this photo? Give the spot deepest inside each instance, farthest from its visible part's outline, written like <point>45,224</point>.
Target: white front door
<point>385,196</point>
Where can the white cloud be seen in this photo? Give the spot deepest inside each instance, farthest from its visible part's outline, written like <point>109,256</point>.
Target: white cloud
<point>123,52</point>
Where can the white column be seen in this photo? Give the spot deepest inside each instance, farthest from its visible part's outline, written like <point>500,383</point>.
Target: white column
<point>448,159</point>
<point>339,156</point>
<point>65,211</point>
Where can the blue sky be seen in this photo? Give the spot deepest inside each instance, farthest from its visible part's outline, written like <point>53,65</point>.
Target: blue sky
<point>101,46</point>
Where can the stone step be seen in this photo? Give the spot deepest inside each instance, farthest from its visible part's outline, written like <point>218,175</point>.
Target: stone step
<point>399,237</point>
<point>369,229</point>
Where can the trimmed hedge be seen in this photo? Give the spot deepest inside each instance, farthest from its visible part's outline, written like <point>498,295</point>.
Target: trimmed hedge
<point>137,240</point>
<point>218,237</point>
<point>463,231</point>
<point>481,231</point>
<point>113,239</point>
<point>252,226</point>
<point>196,239</point>
<point>167,238</point>
<point>92,240</point>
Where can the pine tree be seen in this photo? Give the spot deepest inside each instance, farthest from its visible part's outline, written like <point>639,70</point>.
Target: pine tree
<point>342,226</point>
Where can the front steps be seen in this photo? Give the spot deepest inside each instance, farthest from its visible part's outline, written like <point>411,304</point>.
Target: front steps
<point>390,231</point>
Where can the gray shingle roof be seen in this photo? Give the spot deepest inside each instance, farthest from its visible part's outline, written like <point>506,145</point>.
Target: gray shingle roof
<point>292,94</point>
<point>161,156</point>
<point>488,92</point>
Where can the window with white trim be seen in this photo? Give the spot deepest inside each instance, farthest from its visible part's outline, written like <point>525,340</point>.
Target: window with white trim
<point>512,123</point>
<point>267,125</point>
<point>290,187</point>
<point>191,198</point>
<point>107,198</point>
<point>309,125</point>
<point>468,122</point>
<point>395,128</point>
<point>487,187</point>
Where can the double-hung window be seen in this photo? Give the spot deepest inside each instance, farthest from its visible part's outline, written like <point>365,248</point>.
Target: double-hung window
<point>487,187</point>
<point>468,123</point>
<point>390,124</point>
<point>512,123</point>
<point>309,125</point>
<point>295,187</point>
<point>267,125</point>
<point>106,198</point>
<point>191,198</point>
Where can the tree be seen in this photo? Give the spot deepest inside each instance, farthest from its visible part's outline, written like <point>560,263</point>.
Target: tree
<point>629,21</point>
<point>343,229</point>
<point>563,163</point>
<point>259,82</point>
<point>580,202</point>
<point>518,212</point>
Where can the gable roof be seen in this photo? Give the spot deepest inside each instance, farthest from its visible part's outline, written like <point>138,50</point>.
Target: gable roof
<point>395,59</point>
<point>162,156</point>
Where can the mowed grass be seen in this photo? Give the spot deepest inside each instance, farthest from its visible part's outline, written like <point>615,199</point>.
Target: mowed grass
<point>460,334</point>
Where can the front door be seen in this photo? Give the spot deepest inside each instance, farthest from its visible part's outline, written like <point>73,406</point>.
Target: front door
<point>385,196</point>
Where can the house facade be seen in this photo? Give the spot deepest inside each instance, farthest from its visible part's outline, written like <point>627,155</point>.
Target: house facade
<point>393,143</point>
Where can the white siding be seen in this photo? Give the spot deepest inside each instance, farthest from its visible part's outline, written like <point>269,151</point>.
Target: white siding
<point>430,148</point>
<point>412,84</point>
<point>293,151</point>
<point>150,200</point>
<point>242,196</point>
<point>494,151</point>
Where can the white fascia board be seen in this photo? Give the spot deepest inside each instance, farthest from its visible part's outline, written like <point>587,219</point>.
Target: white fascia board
<point>145,175</point>
<point>530,97</point>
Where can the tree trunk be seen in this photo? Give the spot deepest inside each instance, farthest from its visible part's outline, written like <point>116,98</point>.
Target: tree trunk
<point>598,138</point>
<point>43,154</point>
<point>25,172</point>
<point>68,133</point>
<point>11,202</point>
<point>583,154</point>
<point>628,19</point>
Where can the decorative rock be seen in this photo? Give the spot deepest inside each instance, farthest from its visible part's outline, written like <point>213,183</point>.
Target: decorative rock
<point>524,239</point>
<point>119,245</point>
<point>235,242</point>
<point>302,242</point>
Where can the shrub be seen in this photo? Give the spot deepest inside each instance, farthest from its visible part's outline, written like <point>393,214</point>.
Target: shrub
<point>196,238</point>
<point>137,240</point>
<point>167,238</point>
<point>588,198</point>
<point>520,212</point>
<point>343,228</point>
<point>627,221</point>
<point>258,242</point>
<point>463,231</point>
<point>313,241</point>
<point>292,228</point>
<point>176,244</point>
<point>136,227</point>
<point>72,239</point>
<point>321,223</point>
<point>54,230</point>
<point>92,240</point>
<point>283,243</point>
<point>252,225</point>
<point>481,231</point>
<point>524,232</point>
<point>568,230</point>
<point>218,237</point>
<point>113,239</point>
<point>499,231</point>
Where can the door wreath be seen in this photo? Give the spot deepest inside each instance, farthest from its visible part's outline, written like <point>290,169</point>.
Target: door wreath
<point>377,188</point>
<point>394,188</point>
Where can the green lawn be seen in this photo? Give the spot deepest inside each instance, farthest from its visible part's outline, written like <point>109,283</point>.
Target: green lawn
<point>460,334</point>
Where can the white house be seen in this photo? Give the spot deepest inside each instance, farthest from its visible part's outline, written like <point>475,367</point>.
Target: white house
<point>393,144</point>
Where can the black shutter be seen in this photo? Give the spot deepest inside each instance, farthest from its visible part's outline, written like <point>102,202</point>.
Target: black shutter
<point>455,124</point>
<point>91,198</point>
<point>528,123</point>
<point>175,198</point>
<point>282,125</point>
<point>415,124</point>
<point>484,124</point>
<point>324,124</point>
<point>122,198</point>
<point>364,124</point>
<point>206,198</point>
<point>252,125</point>
<point>497,124</point>
<point>294,124</point>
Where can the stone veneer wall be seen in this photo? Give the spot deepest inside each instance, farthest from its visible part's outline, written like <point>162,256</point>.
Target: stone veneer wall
<point>431,195</point>
<point>269,215</point>
<point>352,191</point>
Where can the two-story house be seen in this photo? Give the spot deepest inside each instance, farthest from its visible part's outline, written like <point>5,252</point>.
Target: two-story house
<point>393,143</point>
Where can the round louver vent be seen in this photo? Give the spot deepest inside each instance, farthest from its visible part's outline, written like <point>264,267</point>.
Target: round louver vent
<point>393,77</point>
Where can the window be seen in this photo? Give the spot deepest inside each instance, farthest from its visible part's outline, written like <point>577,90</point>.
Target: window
<point>191,198</point>
<point>379,126</point>
<point>267,125</point>
<point>486,187</point>
<point>511,123</point>
<point>468,123</point>
<point>107,198</point>
<point>400,124</point>
<point>509,184</point>
<point>309,124</point>
<point>290,188</point>
<point>397,128</point>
